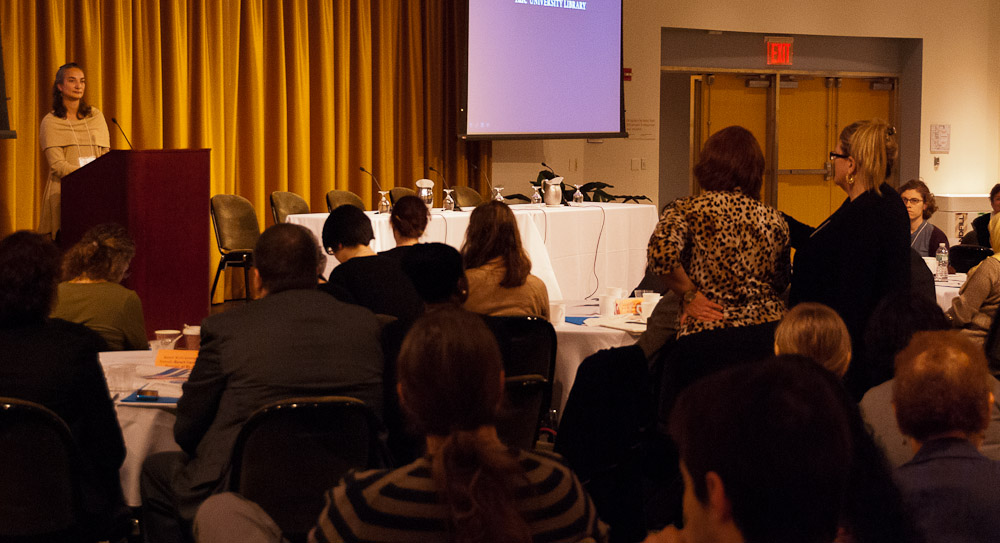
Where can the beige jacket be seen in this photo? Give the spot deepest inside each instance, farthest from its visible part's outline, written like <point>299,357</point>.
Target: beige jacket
<point>487,297</point>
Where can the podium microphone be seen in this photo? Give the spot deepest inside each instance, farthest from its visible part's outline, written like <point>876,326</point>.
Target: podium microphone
<point>114,120</point>
<point>488,182</point>
<point>373,177</point>
<point>444,182</point>
<point>549,169</point>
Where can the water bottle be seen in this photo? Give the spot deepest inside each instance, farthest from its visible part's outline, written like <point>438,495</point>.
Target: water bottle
<point>942,263</point>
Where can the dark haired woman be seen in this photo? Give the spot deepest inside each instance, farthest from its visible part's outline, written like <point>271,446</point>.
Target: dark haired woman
<point>54,363</point>
<point>408,222</point>
<point>925,238</point>
<point>723,251</point>
<point>73,134</point>
<point>469,487</point>
<point>861,253</point>
<point>498,268</point>
<point>91,294</point>
<point>725,255</point>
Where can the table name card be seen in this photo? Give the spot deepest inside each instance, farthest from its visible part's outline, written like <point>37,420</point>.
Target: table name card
<point>176,358</point>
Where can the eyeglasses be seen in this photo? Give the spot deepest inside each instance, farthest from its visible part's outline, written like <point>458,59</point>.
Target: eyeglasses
<point>835,155</point>
<point>914,201</point>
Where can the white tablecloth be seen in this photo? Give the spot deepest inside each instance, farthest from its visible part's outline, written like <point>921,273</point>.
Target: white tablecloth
<point>577,342</point>
<point>147,430</point>
<point>945,292</point>
<point>574,250</point>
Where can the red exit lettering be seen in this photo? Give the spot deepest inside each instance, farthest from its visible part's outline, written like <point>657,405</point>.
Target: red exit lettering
<point>779,53</point>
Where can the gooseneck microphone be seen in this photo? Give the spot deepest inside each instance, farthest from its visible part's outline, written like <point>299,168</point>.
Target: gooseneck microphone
<point>373,177</point>
<point>444,183</point>
<point>488,182</point>
<point>114,120</point>
<point>547,167</point>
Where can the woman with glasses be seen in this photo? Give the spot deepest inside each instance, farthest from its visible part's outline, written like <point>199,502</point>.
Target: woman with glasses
<point>860,253</point>
<point>91,295</point>
<point>925,238</point>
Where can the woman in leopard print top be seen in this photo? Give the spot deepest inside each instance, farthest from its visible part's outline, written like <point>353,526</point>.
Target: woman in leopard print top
<point>723,251</point>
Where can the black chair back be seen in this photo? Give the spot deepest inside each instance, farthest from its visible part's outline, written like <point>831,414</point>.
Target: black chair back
<point>289,453</point>
<point>396,193</point>
<point>39,494</point>
<point>964,257</point>
<point>285,203</point>
<point>236,233</point>
<point>528,347</point>
<point>336,198</point>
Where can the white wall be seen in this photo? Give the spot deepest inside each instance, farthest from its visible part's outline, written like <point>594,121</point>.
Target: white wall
<point>961,83</point>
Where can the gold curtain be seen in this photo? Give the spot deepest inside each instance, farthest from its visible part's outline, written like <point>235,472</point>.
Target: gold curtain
<point>288,94</point>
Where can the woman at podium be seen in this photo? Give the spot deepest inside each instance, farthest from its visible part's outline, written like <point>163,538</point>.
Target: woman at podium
<point>73,134</point>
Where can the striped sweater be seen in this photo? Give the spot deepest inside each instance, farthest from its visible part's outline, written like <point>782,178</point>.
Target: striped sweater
<point>403,506</point>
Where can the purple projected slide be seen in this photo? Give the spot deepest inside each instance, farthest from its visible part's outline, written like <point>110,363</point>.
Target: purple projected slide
<point>544,67</point>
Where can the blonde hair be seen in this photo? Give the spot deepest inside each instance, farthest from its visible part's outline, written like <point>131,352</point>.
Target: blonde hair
<point>872,145</point>
<point>816,331</point>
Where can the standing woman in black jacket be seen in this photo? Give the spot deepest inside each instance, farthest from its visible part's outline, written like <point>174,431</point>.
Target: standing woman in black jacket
<point>861,252</point>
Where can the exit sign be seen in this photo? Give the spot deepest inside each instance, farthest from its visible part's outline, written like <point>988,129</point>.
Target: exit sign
<point>779,51</point>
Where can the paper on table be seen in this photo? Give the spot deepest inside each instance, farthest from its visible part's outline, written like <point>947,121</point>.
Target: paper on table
<point>176,358</point>
<point>167,382</point>
<point>628,323</point>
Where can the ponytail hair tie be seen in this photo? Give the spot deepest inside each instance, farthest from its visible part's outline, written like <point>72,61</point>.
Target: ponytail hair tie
<point>891,131</point>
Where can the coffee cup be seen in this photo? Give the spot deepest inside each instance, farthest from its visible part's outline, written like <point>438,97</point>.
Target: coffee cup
<point>607,304</point>
<point>192,337</point>
<point>165,339</point>
<point>557,313</point>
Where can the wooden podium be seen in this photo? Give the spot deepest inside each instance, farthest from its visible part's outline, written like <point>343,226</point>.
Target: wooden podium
<point>162,198</point>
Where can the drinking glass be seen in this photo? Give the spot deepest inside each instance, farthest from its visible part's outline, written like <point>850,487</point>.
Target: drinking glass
<point>536,198</point>
<point>497,194</point>
<point>577,196</point>
<point>449,202</point>
<point>384,206</point>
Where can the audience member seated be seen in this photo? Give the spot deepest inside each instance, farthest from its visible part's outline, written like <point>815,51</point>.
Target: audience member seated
<point>294,341</point>
<point>469,488</point>
<point>54,363</point>
<point>942,398</point>
<point>90,293</point>
<point>765,454</point>
<point>981,224</point>
<point>408,221</point>
<point>661,326</point>
<point>363,277</point>
<point>892,325</point>
<point>815,331</point>
<point>973,309</point>
<point>874,510</point>
<point>497,266</point>
<point>437,274</point>
<point>925,238</point>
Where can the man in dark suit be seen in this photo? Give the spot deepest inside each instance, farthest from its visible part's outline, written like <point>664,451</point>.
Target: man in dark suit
<point>295,341</point>
<point>942,396</point>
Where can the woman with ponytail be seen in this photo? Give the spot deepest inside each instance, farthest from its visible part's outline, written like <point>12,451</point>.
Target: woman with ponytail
<point>468,488</point>
<point>90,293</point>
<point>859,254</point>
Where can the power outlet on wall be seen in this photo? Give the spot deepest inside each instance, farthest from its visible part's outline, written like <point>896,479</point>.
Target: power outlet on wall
<point>635,164</point>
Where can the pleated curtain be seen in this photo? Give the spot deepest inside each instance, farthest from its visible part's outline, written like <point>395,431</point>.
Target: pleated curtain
<point>288,94</point>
